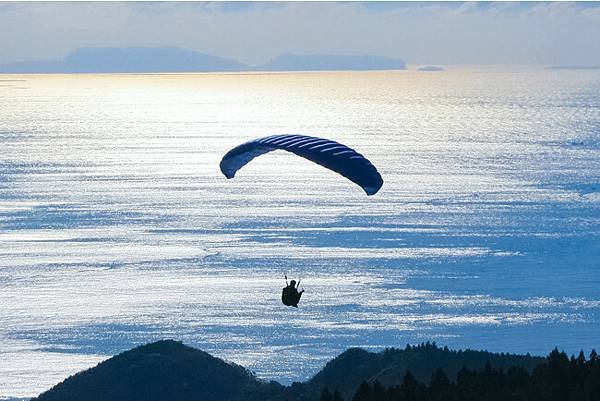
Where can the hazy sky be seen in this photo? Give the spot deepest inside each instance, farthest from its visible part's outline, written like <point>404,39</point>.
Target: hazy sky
<point>419,33</point>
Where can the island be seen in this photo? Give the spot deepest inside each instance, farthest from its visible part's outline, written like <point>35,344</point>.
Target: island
<point>430,68</point>
<point>328,62</point>
<point>177,60</point>
<point>574,67</point>
<point>127,60</point>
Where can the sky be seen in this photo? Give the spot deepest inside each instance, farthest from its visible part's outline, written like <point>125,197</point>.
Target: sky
<point>418,33</point>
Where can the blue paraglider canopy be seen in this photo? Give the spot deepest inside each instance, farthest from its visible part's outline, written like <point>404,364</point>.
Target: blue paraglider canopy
<point>329,154</point>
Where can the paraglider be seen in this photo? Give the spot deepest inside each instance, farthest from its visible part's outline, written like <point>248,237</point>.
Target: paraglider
<point>290,296</point>
<point>330,154</point>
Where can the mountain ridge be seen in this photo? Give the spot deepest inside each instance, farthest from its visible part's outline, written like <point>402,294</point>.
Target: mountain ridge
<point>169,59</point>
<point>128,60</point>
<point>330,62</point>
<point>161,370</point>
<point>168,369</point>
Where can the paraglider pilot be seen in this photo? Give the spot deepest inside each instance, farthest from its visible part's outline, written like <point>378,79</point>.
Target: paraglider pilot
<point>290,295</point>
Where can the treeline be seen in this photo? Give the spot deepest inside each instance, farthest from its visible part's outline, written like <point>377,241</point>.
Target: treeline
<point>169,370</point>
<point>347,371</point>
<point>559,379</point>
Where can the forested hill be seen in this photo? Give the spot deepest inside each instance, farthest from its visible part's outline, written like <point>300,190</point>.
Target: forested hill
<point>348,370</point>
<point>559,378</point>
<point>162,371</point>
<point>168,370</point>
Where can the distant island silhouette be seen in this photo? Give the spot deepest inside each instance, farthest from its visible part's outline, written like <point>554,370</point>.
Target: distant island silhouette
<point>574,67</point>
<point>174,60</point>
<point>430,68</point>
<point>324,62</point>
<point>128,60</point>
<point>168,370</point>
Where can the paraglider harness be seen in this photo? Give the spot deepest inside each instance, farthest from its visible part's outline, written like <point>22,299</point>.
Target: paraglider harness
<point>290,295</point>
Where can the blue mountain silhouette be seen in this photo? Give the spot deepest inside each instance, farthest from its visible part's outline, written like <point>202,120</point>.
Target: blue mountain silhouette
<point>128,60</point>
<point>324,62</point>
<point>174,59</point>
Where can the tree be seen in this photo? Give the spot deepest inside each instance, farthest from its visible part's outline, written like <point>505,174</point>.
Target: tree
<point>378,393</point>
<point>363,393</point>
<point>439,386</point>
<point>594,358</point>
<point>337,396</point>
<point>408,388</point>
<point>326,395</point>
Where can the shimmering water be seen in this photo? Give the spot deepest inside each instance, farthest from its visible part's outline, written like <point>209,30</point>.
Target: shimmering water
<point>117,228</point>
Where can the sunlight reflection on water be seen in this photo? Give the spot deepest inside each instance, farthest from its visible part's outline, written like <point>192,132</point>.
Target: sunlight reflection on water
<point>117,227</point>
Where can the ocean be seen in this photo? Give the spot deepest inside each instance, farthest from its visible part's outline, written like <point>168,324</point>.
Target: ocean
<point>117,227</point>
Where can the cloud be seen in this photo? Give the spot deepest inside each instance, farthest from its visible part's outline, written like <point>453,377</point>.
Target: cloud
<point>462,33</point>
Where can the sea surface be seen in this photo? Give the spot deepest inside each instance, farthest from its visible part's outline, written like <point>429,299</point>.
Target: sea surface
<point>117,227</point>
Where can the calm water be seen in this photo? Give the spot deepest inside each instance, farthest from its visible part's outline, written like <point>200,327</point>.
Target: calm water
<point>117,227</point>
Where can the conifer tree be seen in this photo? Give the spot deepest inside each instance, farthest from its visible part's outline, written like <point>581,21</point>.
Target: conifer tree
<point>326,395</point>
<point>363,393</point>
<point>337,396</point>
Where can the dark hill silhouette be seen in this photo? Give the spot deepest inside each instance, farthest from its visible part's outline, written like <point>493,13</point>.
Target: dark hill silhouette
<point>351,368</point>
<point>168,370</point>
<point>559,378</point>
<point>162,371</point>
<point>324,62</point>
